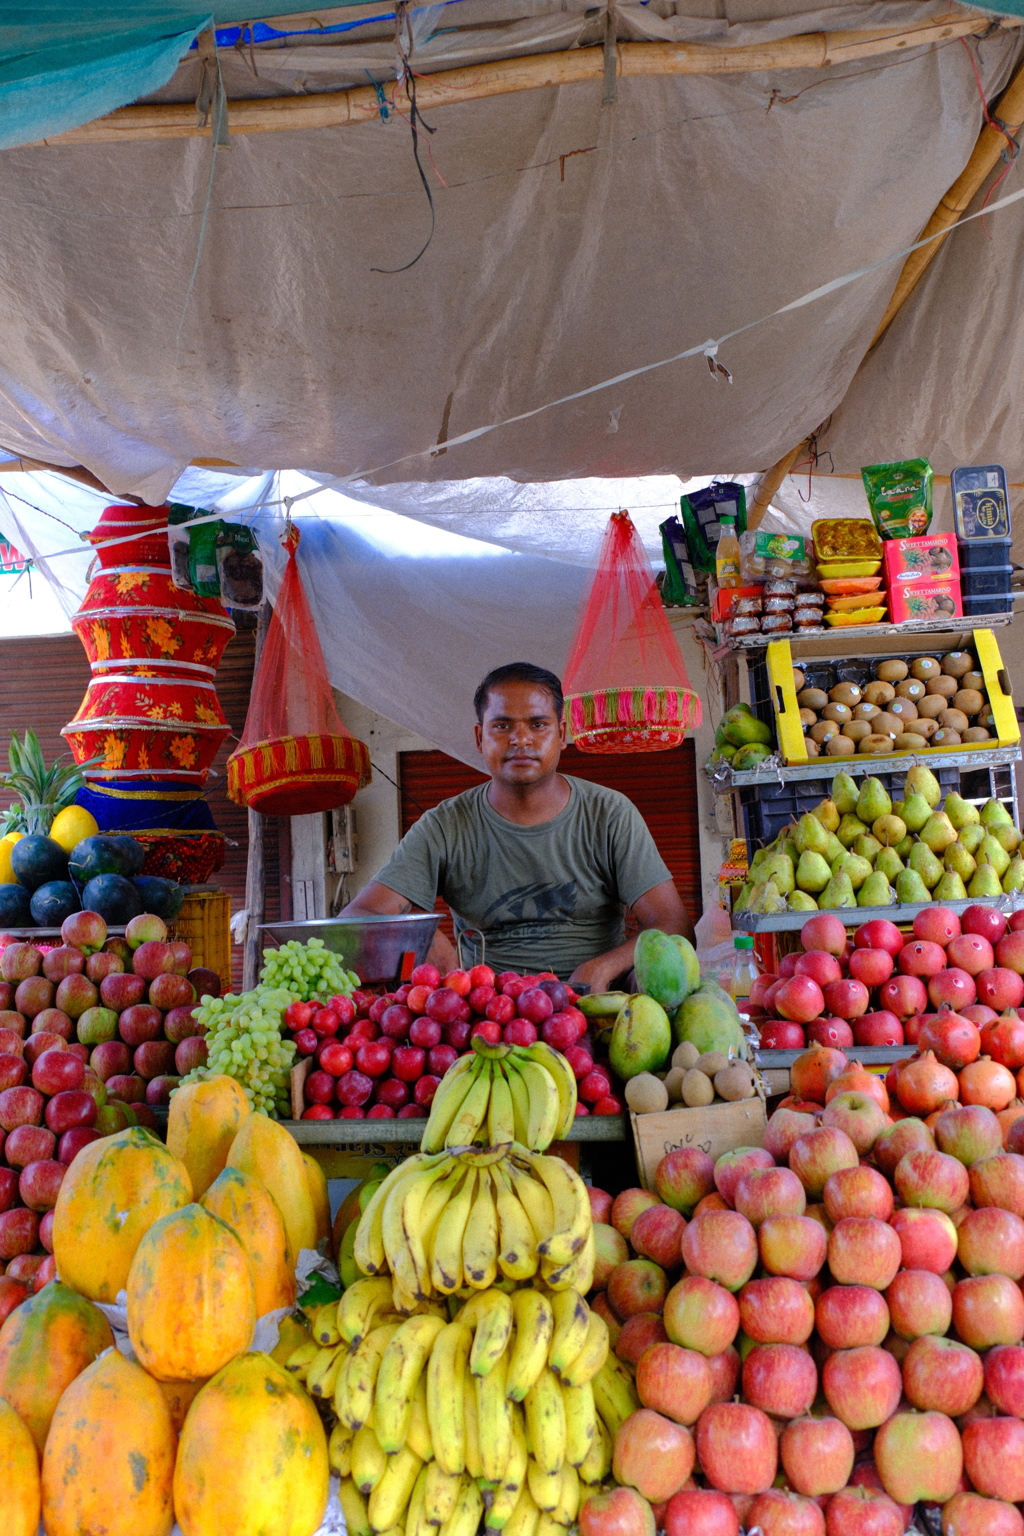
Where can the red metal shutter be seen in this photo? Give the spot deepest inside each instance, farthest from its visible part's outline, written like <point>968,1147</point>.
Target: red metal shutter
<point>662,786</point>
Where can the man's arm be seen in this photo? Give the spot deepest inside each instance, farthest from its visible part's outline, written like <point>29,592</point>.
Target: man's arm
<point>660,907</point>
<point>377,900</point>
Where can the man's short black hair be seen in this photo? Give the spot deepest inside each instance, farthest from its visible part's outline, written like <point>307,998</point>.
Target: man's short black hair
<point>519,672</point>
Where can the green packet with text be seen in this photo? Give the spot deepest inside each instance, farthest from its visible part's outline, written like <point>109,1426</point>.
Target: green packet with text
<point>900,497</point>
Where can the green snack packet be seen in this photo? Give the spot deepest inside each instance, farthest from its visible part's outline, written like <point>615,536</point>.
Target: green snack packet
<point>702,513</point>
<point>900,497</point>
<point>202,557</point>
<point>681,584</point>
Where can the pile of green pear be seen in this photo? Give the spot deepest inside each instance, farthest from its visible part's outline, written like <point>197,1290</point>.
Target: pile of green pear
<point>860,849</point>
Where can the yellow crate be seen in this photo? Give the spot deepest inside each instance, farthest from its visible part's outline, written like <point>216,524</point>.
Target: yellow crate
<point>998,690</point>
<point>204,922</point>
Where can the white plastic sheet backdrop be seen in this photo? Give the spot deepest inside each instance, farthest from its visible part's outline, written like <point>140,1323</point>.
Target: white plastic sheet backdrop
<point>572,242</point>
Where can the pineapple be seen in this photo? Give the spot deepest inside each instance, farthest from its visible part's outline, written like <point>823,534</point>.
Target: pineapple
<point>41,791</point>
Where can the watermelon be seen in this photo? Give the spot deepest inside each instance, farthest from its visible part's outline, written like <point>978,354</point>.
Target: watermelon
<point>112,896</point>
<point>162,897</point>
<point>37,859</point>
<point>53,902</point>
<point>135,856</point>
<point>100,855</point>
<point>14,907</point>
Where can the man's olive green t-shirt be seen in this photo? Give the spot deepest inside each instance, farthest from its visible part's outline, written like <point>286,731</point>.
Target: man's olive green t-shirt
<point>546,897</point>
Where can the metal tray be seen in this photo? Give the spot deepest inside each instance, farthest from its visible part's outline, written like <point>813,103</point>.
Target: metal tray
<point>376,948</point>
<point>852,917</point>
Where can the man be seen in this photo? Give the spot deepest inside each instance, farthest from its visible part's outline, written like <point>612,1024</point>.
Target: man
<point>542,864</point>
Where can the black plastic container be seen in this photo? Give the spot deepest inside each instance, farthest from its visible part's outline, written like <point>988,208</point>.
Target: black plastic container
<point>983,554</point>
<point>770,806</point>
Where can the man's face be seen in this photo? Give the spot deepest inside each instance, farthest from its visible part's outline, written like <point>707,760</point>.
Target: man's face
<point>521,738</point>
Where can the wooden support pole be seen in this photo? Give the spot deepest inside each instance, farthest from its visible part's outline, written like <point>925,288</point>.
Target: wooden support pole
<point>504,77</point>
<point>255,865</point>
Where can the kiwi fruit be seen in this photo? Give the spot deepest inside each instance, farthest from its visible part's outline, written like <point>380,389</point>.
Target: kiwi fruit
<point>840,746</point>
<point>874,744</point>
<point>865,711</point>
<point>823,730</point>
<point>954,720</point>
<point>931,706</point>
<point>845,693</point>
<point>856,730</point>
<point>946,738</point>
<point>910,742</point>
<point>973,680</point>
<point>969,700</point>
<point>887,725</point>
<point>924,667</point>
<point>977,733</point>
<point>798,680</point>
<point>812,698</point>
<point>811,748</point>
<point>903,709</point>
<point>911,688</point>
<point>986,717</point>
<point>956,663</point>
<point>893,671</point>
<point>838,712</point>
<point>808,717</point>
<point>879,692</point>
<point>925,727</point>
<point>942,686</point>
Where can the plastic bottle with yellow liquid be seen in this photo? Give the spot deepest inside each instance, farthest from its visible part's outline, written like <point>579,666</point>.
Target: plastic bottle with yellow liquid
<point>744,973</point>
<point>727,555</point>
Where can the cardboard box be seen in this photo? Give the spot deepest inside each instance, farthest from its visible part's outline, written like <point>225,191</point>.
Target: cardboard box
<point>921,602</point>
<point>715,1128</point>
<point>930,557</point>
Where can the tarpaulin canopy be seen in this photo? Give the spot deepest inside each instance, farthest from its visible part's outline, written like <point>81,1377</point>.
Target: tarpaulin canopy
<point>163,300</point>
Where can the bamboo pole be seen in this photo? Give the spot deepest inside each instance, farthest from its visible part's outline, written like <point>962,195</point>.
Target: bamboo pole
<point>954,204</point>
<point>504,77</point>
<point>255,864</point>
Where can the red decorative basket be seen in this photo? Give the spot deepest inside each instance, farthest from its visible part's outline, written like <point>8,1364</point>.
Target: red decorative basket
<point>295,775</point>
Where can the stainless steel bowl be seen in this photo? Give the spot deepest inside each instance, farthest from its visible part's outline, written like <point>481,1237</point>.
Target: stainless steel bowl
<point>376,948</point>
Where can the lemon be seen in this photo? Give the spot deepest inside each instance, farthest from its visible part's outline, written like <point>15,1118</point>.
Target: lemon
<point>7,875</point>
<point>72,824</point>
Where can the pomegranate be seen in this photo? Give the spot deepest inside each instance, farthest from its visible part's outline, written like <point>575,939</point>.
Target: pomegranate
<point>954,1039</point>
<point>987,1082</point>
<point>812,1072</point>
<point>924,1084</point>
<point>1003,1039</point>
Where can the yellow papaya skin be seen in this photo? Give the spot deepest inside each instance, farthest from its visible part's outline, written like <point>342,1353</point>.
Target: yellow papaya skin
<point>108,1467</point>
<point>252,1213</point>
<point>113,1192</point>
<point>20,1462</point>
<point>191,1301</point>
<point>264,1149</point>
<point>179,1397</point>
<point>202,1122</point>
<point>44,1344</point>
<point>252,1415</point>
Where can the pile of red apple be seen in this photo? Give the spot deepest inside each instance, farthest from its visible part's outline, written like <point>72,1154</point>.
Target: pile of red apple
<point>879,989</point>
<point>93,1034</point>
<point>827,1331</point>
<point>378,1058</point>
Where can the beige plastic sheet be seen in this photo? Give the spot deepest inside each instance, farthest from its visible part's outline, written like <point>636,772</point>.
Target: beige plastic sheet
<point>572,241</point>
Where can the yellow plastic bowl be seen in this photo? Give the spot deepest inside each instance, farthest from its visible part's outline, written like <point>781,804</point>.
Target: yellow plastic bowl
<point>841,568</point>
<point>859,616</point>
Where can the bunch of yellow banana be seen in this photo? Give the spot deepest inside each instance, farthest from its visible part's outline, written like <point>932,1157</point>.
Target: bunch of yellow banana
<point>505,1412</point>
<point>443,1222</point>
<point>503,1093</point>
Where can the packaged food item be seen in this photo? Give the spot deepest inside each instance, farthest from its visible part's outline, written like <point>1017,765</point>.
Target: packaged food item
<point>861,616</point>
<point>981,507</point>
<point>900,497</point>
<point>764,554</point>
<point>178,544</point>
<point>812,599</point>
<point>922,601</point>
<point>741,626</point>
<point>743,607</point>
<point>780,589</point>
<point>682,585</point>
<point>727,556</point>
<point>808,618</point>
<point>703,512</point>
<point>845,538</point>
<point>783,604</point>
<point>855,603</point>
<point>930,557</point>
<point>776,623</point>
<point>240,566</point>
<point>202,556</point>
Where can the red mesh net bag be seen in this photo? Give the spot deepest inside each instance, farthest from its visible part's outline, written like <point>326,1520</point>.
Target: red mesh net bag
<point>295,755</point>
<point>626,686</point>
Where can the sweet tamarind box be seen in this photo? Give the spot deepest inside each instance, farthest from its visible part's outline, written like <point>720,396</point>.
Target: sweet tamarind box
<point>923,577</point>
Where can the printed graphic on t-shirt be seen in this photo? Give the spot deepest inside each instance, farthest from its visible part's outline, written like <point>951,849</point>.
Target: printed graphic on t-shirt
<point>542,901</point>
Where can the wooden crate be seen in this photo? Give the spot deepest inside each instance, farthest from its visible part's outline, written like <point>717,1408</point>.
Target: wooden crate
<point>715,1128</point>
<point>204,922</point>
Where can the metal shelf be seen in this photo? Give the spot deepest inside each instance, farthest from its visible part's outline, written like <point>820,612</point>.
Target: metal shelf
<point>338,1133</point>
<point>866,1054</point>
<point>852,917</point>
<point>966,625</point>
<point>964,758</point>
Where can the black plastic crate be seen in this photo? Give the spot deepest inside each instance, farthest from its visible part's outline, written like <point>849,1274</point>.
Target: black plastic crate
<point>987,603</point>
<point>993,582</point>
<point>817,674</point>
<point>768,807</point>
<point>983,554</point>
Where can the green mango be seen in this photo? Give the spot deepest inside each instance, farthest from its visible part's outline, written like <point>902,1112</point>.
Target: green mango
<point>856,868</point>
<point>910,888</point>
<point>924,863</point>
<point>950,888</point>
<point>867,846</point>
<point>690,961</point>
<point>958,861</point>
<point>801,901</point>
<point>1013,880</point>
<point>742,728</point>
<point>972,837</point>
<point>641,1038</point>
<point>914,811</point>
<point>849,828</point>
<point>709,1020</point>
<point>994,814</point>
<point>960,812</point>
<point>748,757</point>
<point>659,967</point>
<point>873,801</point>
<point>875,892</point>
<point>811,836</point>
<point>812,873</point>
<point>921,781</point>
<point>996,855</point>
<point>828,814</point>
<point>889,864</point>
<point>844,793</point>
<point>838,893</point>
<point>984,881</point>
<point>938,832</point>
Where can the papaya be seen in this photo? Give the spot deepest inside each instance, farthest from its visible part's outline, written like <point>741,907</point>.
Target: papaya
<point>264,1149</point>
<point>112,1193</point>
<point>179,1397</point>
<point>108,1468</point>
<point>191,1299</point>
<point>709,1020</point>
<point>44,1345</point>
<point>660,970</point>
<point>320,1196</point>
<point>252,1458</point>
<point>251,1212</point>
<point>20,1462</point>
<point>641,1038</point>
<point>202,1122</point>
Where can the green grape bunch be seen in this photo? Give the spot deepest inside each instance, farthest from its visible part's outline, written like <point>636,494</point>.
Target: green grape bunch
<point>308,971</point>
<point>243,1039</point>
